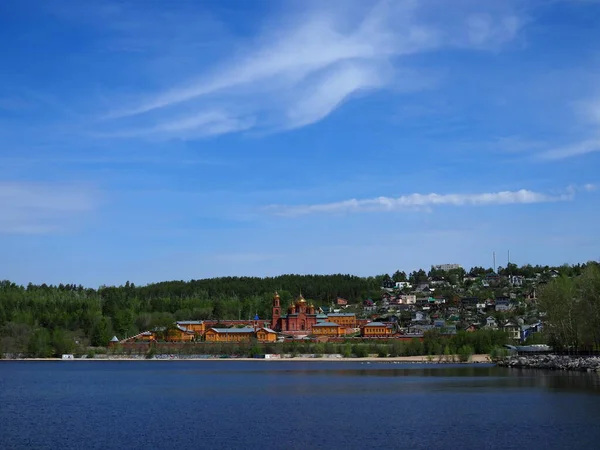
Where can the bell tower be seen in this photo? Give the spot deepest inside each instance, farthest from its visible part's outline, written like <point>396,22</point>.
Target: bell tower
<point>276,311</point>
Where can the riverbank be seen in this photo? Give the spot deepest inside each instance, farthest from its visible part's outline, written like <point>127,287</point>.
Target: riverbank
<point>303,358</point>
<point>553,362</point>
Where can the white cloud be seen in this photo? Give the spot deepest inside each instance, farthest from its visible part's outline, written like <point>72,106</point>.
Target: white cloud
<point>302,67</point>
<point>569,151</point>
<point>35,208</point>
<point>419,201</point>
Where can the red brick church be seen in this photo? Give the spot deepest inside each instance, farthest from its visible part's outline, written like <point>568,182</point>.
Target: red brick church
<point>300,316</point>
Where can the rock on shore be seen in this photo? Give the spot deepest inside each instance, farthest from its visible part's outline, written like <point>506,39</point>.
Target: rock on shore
<point>553,362</point>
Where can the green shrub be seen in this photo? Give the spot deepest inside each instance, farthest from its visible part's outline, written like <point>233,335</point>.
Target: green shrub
<point>464,353</point>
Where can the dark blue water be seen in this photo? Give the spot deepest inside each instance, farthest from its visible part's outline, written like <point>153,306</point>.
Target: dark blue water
<point>293,405</point>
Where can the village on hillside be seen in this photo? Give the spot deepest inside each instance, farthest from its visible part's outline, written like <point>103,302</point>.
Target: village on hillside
<point>446,301</point>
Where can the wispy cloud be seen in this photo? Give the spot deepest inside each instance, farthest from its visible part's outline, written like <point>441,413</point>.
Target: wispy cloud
<point>302,67</point>
<point>419,201</point>
<point>35,208</point>
<point>569,151</point>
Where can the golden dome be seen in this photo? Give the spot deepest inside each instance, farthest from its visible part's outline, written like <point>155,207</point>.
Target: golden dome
<point>276,294</point>
<point>301,299</point>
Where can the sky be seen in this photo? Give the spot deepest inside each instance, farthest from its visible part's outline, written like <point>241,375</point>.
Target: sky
<point>146,141</point>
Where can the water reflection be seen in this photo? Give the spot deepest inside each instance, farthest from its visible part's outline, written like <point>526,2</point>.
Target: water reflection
<point>457,378</point>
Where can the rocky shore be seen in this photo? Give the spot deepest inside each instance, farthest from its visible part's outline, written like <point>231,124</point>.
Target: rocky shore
<point>553,362</point>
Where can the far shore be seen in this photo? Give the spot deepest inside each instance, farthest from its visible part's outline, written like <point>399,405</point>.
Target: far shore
<point>395,359</point>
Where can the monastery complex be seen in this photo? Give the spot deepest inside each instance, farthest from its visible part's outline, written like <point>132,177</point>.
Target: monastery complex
<point>301,319</point>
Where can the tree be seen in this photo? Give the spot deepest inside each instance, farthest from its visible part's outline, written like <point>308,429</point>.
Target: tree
<point>399,276</point>
<point>39,344</point>
<point>558,299</point>
<point>62,342</point>
<point>101,333</point>
<point>418,276</point>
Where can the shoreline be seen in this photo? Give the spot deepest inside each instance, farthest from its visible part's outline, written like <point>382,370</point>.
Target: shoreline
<point>552,362</point>
<point>475,359</point>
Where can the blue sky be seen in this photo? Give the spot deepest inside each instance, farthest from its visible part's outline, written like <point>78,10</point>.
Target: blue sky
<point>148,141</point>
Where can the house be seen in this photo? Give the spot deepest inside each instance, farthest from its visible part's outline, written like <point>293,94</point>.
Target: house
<point>266,335</point>
<point>377,329</point>
<point>346,320</point>
<point>409,299</point>
<point>492,278</point>
<point>503,304</point>
<point>423,288</point>
<point>388,284</point>
<point>516,280</point>
<point>490,322</point>
<point>369,305</point>
<point>439,323</point>
<point>197,326</point>
<point>421,316</point>
<point>328,329</point>
<point>513,330</point>
<point>180,334</point>
<point>341,301</point>
<point>245,334</point>
<point>471,328</point>
<point>419,329</point>
<point>403,285</point>
<point>469,302</point>
<point>528,330</point>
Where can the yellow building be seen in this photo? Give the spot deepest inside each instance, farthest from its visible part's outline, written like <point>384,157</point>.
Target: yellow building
<point>180,334</point>
<point>197,326</point>
<point>266,335</point>
<point>376,329</point>
<point>331,329</point>
<point>229,334</point>
<point>345,320</point>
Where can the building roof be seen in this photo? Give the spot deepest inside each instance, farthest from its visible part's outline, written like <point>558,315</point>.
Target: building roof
<point>268,330</point>
<point>114,339</point>
<point>234,330</point>
<point>185,330</point>
<point>326,324</point>
<point>341,315</point>
<point>375,324</point>
<point>190,322</point>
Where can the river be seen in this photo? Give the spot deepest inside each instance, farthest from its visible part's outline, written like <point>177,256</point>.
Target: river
<point>293,405</point>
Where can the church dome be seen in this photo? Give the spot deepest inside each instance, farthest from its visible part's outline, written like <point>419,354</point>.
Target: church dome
<point>300,300</point>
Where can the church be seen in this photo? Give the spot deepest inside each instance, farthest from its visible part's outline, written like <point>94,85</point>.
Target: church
<point>300,317</point>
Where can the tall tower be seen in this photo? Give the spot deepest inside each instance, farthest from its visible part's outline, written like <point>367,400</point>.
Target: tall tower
<point>276,311</point>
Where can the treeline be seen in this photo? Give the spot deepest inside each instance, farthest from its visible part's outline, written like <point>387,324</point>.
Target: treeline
<point>572,307</point>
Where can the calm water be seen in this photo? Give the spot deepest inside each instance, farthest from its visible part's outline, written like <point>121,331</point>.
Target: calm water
<point>288,405</point>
